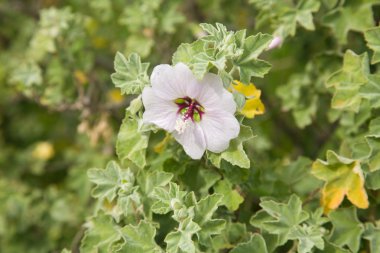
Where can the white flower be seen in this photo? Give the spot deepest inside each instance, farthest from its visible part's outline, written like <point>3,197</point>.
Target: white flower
<point>199,113</point>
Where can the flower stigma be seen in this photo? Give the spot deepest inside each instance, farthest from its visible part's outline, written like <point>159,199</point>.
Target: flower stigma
<point>190,111</point>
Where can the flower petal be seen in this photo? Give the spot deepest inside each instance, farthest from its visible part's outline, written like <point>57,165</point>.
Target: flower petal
<point>192,140</point>
<point>158,111</point>
<point>219,128</point>
<point>213,96</point>
<point>173,82</point>
<point>184,74</point>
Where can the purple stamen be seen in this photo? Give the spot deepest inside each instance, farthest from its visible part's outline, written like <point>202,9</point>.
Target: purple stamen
<point>189,107</point>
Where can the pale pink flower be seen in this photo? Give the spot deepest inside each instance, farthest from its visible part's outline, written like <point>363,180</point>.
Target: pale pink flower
<point>276,42</point>
<point>198,113</point>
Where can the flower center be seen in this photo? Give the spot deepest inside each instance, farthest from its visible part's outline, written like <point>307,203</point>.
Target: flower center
<point>188,108</point>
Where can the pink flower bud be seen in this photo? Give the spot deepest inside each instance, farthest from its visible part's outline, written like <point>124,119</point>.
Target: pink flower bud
<point>276,42</point>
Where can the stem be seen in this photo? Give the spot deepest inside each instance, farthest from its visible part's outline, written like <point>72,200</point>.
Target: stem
<point>311,196</point>
<point>293,249</point>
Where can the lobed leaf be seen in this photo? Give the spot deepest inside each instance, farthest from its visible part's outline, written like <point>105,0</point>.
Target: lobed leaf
<point>344,177</point>
<point>131,74</point>
<point>132,143</point>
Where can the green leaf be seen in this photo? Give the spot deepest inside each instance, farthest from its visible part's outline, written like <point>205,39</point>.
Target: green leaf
<point>255,244</point>
<point>347,229</point>
<point>200,179</point>
<point>332,248</point>
<point>355,70</point>
<point>231,198</point>
<point>170,18</point>
<point>239,99</point>
<point>222,40</point>
<point>52,23</point>
<point>299,97</point>
<point>206,207</point>
<point>256,68</point>
<point>353,16</point>
<point>248,63</point>
<point>235,154</point>
<point>131,16</point>
<point>167,199</point>
<point>135,106</point>
<point>284,220</point>
<point>373,140</point>
<point>140,45</point>
<point>372,36</point>
<point>204,211</point>
<point>110,181</point>
<point>287,221</point>
<point>183,54</point>
<point>284,216</point>
<point>254,45</point>
<point>287,16</point>
<point>308,237</point>
<point>302,15</point>
<point>348,81</point>
<point>131,75</point>
<point>373,180</point>
<point>210,228</point>
<point>330,4</point>
<point>27,73</point>
<point>152,179</point>
<point>374,128</point>
<point>372,234</point>
<point>131,143</point>
<point>100,236</point>
<point>140,238</point>
<point>295,171</point>
<point>180,241</point>
<point>202,63</point>
<point>371,90</point>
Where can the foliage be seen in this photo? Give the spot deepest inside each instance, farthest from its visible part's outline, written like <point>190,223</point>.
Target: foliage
<point>80,171</point>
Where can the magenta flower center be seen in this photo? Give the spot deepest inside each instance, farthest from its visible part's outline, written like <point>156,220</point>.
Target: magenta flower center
<point>190,109</point>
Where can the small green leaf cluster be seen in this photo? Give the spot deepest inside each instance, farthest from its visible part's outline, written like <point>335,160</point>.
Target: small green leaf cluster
<point>227,52</point>
<point>145,196</point>
<point>284,17</point>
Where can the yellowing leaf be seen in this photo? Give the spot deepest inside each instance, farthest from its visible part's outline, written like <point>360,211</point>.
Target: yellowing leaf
<point>247,90</point>
<point>253,105</point>
<point>343,177</point>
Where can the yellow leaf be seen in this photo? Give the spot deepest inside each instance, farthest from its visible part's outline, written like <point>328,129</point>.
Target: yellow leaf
<point>248,91</point>
<point>344,177</point>
<point>253,107</point>
<point>253,104</point>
